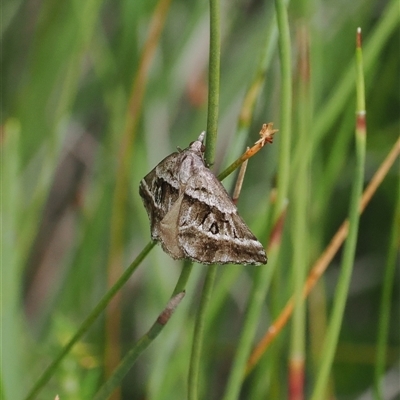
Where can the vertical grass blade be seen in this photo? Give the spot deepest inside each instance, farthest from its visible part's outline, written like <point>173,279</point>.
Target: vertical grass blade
<point>286,107</point>
<point>342,289</point>
<point>261,284</point>
<point>11,315</point>
<point>384,310</point>
<point>299,227</point>
<point>323,261</point>
<point>138,348</point>
<point>211,138</point>
<point>331,110</point>
<point>213,81</point>
<point>198,335</point>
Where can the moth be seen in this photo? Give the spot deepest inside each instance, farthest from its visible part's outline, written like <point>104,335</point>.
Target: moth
<point>191,214</point>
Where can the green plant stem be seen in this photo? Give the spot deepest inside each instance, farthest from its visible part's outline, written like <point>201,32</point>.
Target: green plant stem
<point>261,283</point>
<point>255,87</point>
<point>244,122</point>
<point>286,107</point>
<point>387,291</point>
<point>89,321</point>
<point>331,339</point>
<point>198,337</point>
<point>213,81</point>
<point>212,128</point>
<point>325,118</point>
<point>263,275</point>
<point>141,345</point>
<point>127,362</point>
<point>183,277</point>
<point>300,212</point>
<point>12,327</point>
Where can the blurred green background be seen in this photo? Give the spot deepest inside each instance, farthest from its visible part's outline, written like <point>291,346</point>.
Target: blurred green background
<point>70,75</point>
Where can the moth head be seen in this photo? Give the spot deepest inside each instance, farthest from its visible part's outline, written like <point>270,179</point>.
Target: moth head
<point>198,146</point>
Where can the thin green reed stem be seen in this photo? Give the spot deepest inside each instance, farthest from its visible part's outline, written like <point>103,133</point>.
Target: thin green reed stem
<point>130,358</point>
<point>49,371</point>
<point>198,336</point>
<point>286,106</point>
<point>249,102</point>
<point>141,345</point>
<point>263,274</point>
<point>212,128</point>
<point>330,110</point>
<point>342,290</point>
<point>299,227</point>
<point>183,277</point>
<point>261,282</point>
<point>384,311</point>
<point>213,82</point>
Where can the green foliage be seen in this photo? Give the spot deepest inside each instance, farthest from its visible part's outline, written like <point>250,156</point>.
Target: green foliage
<point>68,69</point>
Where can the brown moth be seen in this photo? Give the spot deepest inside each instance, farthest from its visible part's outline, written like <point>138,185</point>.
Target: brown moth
<point>192,215</point>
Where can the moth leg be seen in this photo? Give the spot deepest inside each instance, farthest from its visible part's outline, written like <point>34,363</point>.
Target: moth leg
<point>239,182</point>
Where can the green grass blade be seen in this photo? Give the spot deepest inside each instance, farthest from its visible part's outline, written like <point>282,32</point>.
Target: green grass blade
<point>261,283</point>
<point>11,332</point>
<point>286,107</point>
<point>113,382</point>
<point>50,370</point>
<point>213,81</point>
<point>342,289</point>
<point>326,117</point>
<point>300,229</point>
<point>385,306</point>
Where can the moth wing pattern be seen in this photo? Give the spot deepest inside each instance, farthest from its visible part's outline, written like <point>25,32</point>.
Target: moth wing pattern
<point>210,228</point>
<point>160,190</point>
<point>191,214</point>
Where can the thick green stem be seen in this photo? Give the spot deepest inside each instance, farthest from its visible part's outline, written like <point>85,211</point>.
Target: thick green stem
<point>286,107</point>
<point>213,81</point>
<point>212,128</point>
